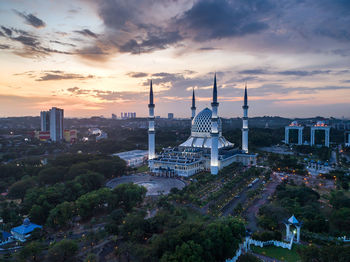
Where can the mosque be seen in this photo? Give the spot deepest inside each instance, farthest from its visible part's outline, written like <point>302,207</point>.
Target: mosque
<point>206,148</point>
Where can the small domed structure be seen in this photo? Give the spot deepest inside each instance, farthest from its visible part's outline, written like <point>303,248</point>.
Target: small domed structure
<point>320,123</point>
<point>26,222</point>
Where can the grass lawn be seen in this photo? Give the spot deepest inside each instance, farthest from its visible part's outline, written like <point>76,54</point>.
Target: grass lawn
<point>142,169</point>
<point>279,253</point>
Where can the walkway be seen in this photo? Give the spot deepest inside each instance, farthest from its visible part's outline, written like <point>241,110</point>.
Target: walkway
<point>154,185</point>
<point>253,210</point>
<point>265,258</point>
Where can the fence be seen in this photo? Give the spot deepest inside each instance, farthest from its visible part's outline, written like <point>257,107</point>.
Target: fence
<point>245,246</point>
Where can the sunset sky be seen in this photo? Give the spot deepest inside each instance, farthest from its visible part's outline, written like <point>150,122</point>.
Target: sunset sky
<point>96,57</point>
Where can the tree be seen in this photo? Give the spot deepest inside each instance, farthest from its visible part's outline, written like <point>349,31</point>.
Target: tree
<point>338,200</point>
<point>117,215</point>
<point>108,167</point>
<point>115,219</point>
<point>186,252</point>
<point>127,196</point>
<point>65,250</point>
<point>93,201</point>
<point>248,258</point>
<point>76,170</point>
<point>51,175</point>
<point>31,251</point>
<point>91,257</point>
<point>61,215</point>
<point>38,214</point>
<point>340,219</point>
<point>90,181</point>
<point>19,189</point>
<point>345,185</point>
<point>324,254</point>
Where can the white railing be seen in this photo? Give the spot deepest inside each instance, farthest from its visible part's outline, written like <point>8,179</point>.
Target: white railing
<point>248,241</point>
<point>237,255</point>
<point>344,239</point>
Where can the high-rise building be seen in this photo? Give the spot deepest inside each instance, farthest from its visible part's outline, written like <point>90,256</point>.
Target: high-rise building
<point>56,124</point>
<point>114,116</point>
<point>170,115</point>
<point>45,121</point>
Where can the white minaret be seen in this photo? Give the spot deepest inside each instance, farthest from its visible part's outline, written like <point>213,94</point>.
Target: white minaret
<point>193,108</point>
<point>151,131</point>
<point>214,161</point>
<point>245,122</point>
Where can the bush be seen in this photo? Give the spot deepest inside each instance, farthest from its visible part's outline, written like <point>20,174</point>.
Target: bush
<point>267,235</point>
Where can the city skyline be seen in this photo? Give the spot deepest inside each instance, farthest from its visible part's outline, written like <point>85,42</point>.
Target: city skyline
<point>97,57</point>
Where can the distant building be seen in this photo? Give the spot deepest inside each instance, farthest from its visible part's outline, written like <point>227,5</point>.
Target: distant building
<point>103,135</point>
<point>22,232</point>
<point>52,121</point>
<point>42,135</point>
<point>70,136</point>
<point>5,237</point>
<point>134,158</point>
<point>56,124</point>
<point>127,115</point>
<point>114,116</point>
<point>170,115</point>
<point>45,120</point>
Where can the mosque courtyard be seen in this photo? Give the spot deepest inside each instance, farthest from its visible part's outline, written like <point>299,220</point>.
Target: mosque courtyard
<point>154,185</point>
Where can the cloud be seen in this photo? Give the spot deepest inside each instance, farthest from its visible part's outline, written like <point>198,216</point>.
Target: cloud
<point>253,72</point>
<point>207,48</point>
<point>7,31</point>
<point>60,75</point>
<point>304,72</point>
<point>274,89</point>
<point>31,19</point>
<point>209,19</point>
<point>31,44</point>
<point>137,74</point>
<point>62,43</point>
<point>86,32</point>
<point>4,46</point>
<point>27,41</point>
<point>105,95</point>
<point>78,91</point>
<point>285,72</point>
<point>153,41</point>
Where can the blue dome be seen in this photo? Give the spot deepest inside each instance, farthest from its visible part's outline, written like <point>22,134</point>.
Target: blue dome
<point>26,222</point>
<point>202,122</point>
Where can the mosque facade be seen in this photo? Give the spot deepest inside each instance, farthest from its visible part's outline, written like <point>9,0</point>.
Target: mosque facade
<point>206,149</point>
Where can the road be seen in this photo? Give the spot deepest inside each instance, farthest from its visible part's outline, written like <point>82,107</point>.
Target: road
<point>253,210</point>
<point>228,209</point>
<point>333,159</point>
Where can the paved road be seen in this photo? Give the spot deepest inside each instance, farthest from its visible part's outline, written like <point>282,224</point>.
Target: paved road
<point>253,210</point>
<point>333,159</point>
<point>228,209</point>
